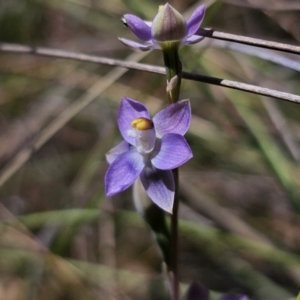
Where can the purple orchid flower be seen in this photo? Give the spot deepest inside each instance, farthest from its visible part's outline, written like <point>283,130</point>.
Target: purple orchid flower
<point>152,148</point>
<point>168,28</point>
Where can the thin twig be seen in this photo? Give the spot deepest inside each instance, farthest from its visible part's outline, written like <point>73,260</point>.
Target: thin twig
<point>254,89</point>
<point>266,5</point>
<point>56,53</point>
<point>265,54</point>
<point>14,48</point>
<point>271,106</point>
<point>210,33</point>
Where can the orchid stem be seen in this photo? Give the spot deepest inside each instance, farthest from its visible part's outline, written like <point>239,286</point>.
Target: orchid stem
<point>173,69</point>
<point>173,72</point>
<point>174,238</point>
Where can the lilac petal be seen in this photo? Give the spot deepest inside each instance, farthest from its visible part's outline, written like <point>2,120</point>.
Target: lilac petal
<point>130,110</point>
<point>194,39</point>
<point>195,20</point>
<point>173,152</point>
<point>113,153</point>
<point>138,27</point>
<point>175,118</point>
<point>136,46</point>
<point>160,187</point>
<point>123,172</point>
<point>234,297</point>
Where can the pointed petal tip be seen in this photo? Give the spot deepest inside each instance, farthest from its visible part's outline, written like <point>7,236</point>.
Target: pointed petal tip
<point>137,106</point>
<point>111,190</point>
<point>169,6</point>
<point>175,118</point>
<point>193,39</point>
<point>185,101</point>
<point>109,194</point>
<point>138,27</point>
<point>196,19</point>
<point>160,187</point>
<point>170,210</point>
<point>136,46</point>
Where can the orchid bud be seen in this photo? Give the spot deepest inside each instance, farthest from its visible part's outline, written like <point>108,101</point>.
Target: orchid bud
<point>168,28</point>
<point>169,25</point>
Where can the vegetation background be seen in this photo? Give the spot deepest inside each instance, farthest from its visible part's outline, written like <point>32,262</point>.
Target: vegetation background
<point>60,238</point>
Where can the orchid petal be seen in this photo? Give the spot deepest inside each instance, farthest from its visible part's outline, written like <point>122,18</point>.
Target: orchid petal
<point>138,27</point>
<point>113,153</point>
<point>234,297</point>
<point>173,152</point>
<point>130,110</point>
<point>193,39</point>
<point>175,118</point>
<point>160,186</point>
<point>136,46</point>
<point>195,20</point>
<point>124,170</point>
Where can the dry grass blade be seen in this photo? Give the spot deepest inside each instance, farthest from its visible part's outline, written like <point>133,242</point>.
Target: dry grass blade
<point>24,155</point>
<point>149,68</point>
<point>19,237</point>
<point>223,217</point>
<point>282,127</point>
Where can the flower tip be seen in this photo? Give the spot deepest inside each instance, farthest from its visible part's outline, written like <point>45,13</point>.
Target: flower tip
<point>168,25</point>
<point>167,209</point>
<point>185,101</point>
<point>124,21</point>
<point>108,190</point>
<point>170,210</point>
<point>108,193</point>
<point>194,23</point>
<point>128,100</point>
<point>134,45</point>
<point>112,193</point>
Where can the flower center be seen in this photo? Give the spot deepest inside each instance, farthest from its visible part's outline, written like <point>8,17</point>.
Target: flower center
<point>142,124</point>
<point>144,134</point>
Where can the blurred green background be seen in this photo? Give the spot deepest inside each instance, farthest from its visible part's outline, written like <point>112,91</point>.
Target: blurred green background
<point>60,238</point>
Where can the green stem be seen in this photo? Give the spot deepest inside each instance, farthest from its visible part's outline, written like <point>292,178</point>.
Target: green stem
<point>173,69</point>
<point>174,237</point>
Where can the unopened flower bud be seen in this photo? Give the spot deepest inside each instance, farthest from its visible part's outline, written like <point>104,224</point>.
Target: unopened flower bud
<point>169,25</point>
